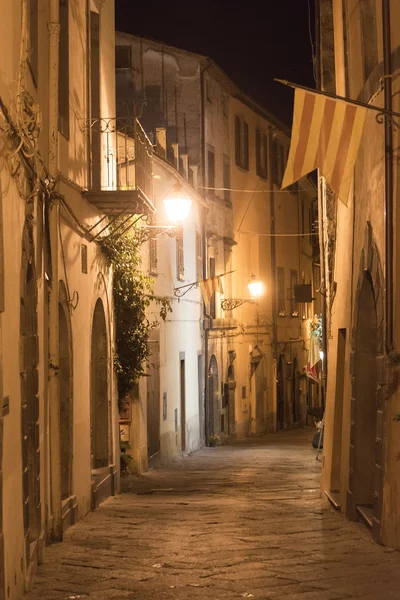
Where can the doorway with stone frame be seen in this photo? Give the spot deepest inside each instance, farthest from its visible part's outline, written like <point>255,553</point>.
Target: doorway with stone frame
<point>364,496</point>
<point>69,504</point>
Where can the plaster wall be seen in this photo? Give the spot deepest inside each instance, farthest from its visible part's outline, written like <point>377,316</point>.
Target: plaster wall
<point>15,210</point>
<point>365,206</point>
<point>252,228</point>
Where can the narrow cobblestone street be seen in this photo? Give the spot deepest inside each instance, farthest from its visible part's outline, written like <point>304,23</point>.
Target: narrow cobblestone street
<point>241,521</point>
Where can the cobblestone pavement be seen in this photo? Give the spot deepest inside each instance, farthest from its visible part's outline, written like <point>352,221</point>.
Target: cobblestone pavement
<point>232,522</point>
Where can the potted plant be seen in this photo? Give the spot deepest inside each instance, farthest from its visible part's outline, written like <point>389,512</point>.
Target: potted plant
<point>213,440</point>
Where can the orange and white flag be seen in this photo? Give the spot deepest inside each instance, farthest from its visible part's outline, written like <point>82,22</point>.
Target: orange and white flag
<point>209,286</point>
<point>326,134</point>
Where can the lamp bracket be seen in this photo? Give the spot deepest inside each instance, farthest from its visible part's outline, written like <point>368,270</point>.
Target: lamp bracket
<point>232,303</point>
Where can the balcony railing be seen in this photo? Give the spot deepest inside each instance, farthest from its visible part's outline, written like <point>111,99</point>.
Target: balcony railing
<point>121,166</point>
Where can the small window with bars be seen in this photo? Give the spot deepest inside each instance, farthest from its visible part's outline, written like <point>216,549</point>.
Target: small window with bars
<point>123,57</point>
<point>280,276</point>
<point>153,256</point>
<point>180,265</point>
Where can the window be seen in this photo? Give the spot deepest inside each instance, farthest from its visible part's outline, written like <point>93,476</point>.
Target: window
<point>210,173</point>
<point>368,36</point>
<point>199,257</point>
<point>241,143</point>
<point>63,84</point>
<point>261,154</point>
<point>213,311</point>
<point>180,265</point>
<point>123,57</point>
<point>280,276</point>
<point>227,178</point>
<point>33,40</point>
<point>153,256</point>
<point>294,308</point>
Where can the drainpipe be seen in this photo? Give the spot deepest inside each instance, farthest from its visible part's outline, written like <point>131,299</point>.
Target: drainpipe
<point>206,317</point>
<point>387,89</point>
<point>54,351</point>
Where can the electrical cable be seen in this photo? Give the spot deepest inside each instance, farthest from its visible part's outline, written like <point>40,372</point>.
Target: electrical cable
<point>225,189</point>
<point>248,206</point>
<point>278,234</point>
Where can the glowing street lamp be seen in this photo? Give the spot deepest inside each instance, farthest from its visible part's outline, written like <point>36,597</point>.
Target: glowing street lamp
<point>256,287</point>
<point>177,204</point>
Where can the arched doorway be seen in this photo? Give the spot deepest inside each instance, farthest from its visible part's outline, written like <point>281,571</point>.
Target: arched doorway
<point>280,396</point>
<point>29,396</point>
<point>100,409</point>
<point>66,401</point>
<point>212,412</point>
<point>365,409</point>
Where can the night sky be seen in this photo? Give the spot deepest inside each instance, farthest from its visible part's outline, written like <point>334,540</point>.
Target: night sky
<point>251,44</point>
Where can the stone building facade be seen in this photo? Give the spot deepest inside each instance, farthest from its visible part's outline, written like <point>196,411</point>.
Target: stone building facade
<point>359,59</point>
<point>189,109</point>
<point>59,422</point>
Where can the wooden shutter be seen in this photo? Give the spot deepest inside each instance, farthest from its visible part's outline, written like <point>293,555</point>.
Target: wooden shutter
<point>237,141</point>
<point>199,256</point>
<point>180,266</point>
<point>153,256</point>
<point>258,152</point>
<point>246,145</point>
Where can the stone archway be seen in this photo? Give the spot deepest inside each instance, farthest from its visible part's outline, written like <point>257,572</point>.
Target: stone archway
<point>100,418</point>
<point>29,397</point>
<point>66,395</point>
<point>366,432</point>
<point>103,471</point>
<point>364,417</point>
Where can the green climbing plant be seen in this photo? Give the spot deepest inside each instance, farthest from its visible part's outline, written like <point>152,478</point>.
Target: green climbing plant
<point>132,294</point>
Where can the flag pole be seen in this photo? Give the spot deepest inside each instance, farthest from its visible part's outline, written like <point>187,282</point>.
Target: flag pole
<point>383,111</point>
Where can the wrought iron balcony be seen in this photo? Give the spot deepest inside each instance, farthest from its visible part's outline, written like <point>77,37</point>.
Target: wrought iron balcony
<point>121,166</point>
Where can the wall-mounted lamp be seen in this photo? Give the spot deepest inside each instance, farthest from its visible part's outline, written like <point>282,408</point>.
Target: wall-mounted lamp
<point>177,204</point>
<point>256,287</point>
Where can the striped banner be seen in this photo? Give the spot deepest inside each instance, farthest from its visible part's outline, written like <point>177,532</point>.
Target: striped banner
<point>326,134</point>
<point>209,286</point>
